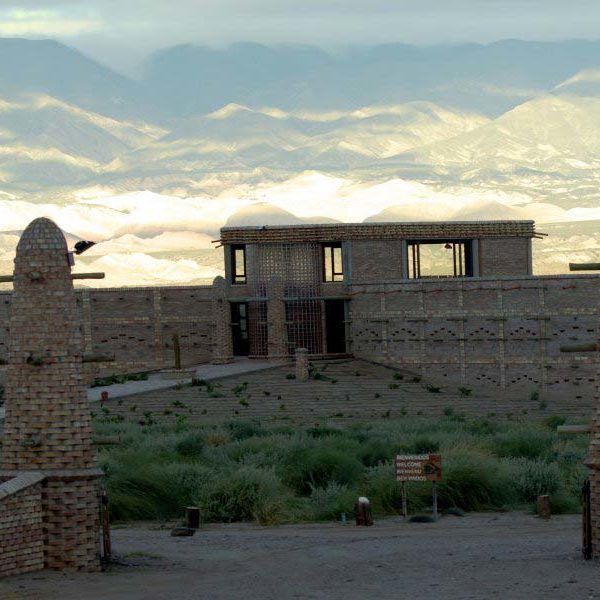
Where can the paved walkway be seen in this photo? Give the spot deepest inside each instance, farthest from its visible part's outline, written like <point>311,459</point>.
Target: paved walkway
<point>207,372</point>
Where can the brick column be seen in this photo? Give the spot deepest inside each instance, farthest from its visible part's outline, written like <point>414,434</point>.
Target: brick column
<point>223,346</point>
<point>301,364</point>
<point>277,329</point>
<point>48,423</point>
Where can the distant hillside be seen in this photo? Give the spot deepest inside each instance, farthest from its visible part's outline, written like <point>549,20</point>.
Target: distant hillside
<point>46,67</point>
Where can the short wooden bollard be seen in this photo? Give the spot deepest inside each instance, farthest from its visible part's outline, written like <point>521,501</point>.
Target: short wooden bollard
<point>363,513</point>
<point>192,517</point>
<point>543,507</point>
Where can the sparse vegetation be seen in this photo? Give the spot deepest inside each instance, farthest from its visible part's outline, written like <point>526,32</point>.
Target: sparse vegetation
<point>246,470</point>
<point>112,379</point>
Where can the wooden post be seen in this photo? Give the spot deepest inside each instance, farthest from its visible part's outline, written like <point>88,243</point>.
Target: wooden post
<point>434,495</point>
<point>177,351</point>
<point>106,546</point>
<point>404,503</point>
<point>543,506</point>
<point>587,520</point>
<point>192,517</point>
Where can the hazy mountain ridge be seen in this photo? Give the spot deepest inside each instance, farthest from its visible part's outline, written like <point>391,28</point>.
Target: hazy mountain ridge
<point>154,185</point>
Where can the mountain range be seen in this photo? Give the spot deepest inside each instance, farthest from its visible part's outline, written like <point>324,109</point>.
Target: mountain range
<point>506,130</point>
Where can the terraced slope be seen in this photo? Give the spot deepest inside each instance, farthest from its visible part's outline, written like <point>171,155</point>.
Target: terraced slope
<point>342,390</point>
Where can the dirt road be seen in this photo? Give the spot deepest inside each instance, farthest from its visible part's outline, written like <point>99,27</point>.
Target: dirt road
<point>508,556</point>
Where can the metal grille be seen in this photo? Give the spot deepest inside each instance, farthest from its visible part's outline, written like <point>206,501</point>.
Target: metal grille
<point>299,268</point>
<point>304,325</point>
<point>257,328</point>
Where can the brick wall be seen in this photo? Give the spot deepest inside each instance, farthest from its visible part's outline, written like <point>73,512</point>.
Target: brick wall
<point>505,256</point>
<point>137,325</point>
<point>502,332</point>
<point>21,534</point>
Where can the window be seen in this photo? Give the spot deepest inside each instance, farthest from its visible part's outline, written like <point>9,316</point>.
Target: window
<point>333,269</point>
<point>440,258</point>
<point>238,263</point>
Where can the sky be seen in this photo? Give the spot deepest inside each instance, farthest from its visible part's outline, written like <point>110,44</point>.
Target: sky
<point>121,33</point>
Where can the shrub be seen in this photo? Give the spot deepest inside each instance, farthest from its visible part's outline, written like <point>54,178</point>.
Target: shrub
<point>465,391</point>
<point>305,468</point>
<point>290,376</point>
<point>330,501</point>
<point>248,493</point>
<point>554,421</point>
<point>526,443</point>
<point>191,445</point>
<point>531,478</point>
<point>424,445</point>
<point>474,482</point>
<point>434,389</point>
<point>240,430</point>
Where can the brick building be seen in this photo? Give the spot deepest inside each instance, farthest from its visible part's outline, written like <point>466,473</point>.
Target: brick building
<point>294,286</point>
<point>457,302</point>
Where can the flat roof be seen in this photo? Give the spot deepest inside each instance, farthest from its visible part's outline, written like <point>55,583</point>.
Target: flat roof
<point>332,232</point>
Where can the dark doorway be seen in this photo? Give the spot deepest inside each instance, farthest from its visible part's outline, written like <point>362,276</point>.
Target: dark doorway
<point>239,328</point>
<point>335,326</point>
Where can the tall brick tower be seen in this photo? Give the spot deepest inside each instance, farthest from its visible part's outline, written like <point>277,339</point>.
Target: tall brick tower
<point>48,422</point>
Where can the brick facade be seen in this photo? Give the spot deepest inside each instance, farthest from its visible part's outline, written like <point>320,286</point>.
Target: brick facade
<point>21,527</point>
<point>493,332</point>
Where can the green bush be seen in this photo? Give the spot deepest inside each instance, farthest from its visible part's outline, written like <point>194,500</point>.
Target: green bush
<point>474,482</point>
<point>531,478</point>
<point>191,445</point>
<point>305,468</point>
<point>246,494</point>
<point>525,443</point>
<point>330,501</point>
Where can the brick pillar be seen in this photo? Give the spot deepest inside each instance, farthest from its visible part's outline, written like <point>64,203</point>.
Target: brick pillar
<point>277,329</point>
<point>223,347</point>
<point>48,423</point>
<point>301,364</point>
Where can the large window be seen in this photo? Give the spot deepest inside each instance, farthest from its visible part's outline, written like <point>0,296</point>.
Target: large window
<point>333,269</point>
<point>238,263</point>
<point>440,258</point>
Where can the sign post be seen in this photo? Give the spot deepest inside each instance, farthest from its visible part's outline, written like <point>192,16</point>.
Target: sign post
<point>419,467</point>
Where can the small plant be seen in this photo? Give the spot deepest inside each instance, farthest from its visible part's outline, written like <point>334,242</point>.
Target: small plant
<point>198,382</point>
<point>534,396</point>
<point>357,374</point>
<point>398,376</point>
<point>403,412</point>
<point>179,387</point>
<point>448,411</point>
<point>240,388</point>
<point>282,407</point>
<point>465,391</point>
<point>393,386</point>
<point>554,421</point>
<point>377,395</point>
<point>266,393</point>
<point>133,408</point>
<point>434,389</point>
<point>215,394</point>
<point>244,402</point>
<point>178,404</point>
<point>386,415</point>
<point>290,376</point>
<point>334,381</point>
<point>543,405</point>
<point>204,411</point>
<point>416,379</point>
<point>167,412</point>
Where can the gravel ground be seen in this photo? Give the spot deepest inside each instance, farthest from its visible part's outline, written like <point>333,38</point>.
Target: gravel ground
<point>508,556</point>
